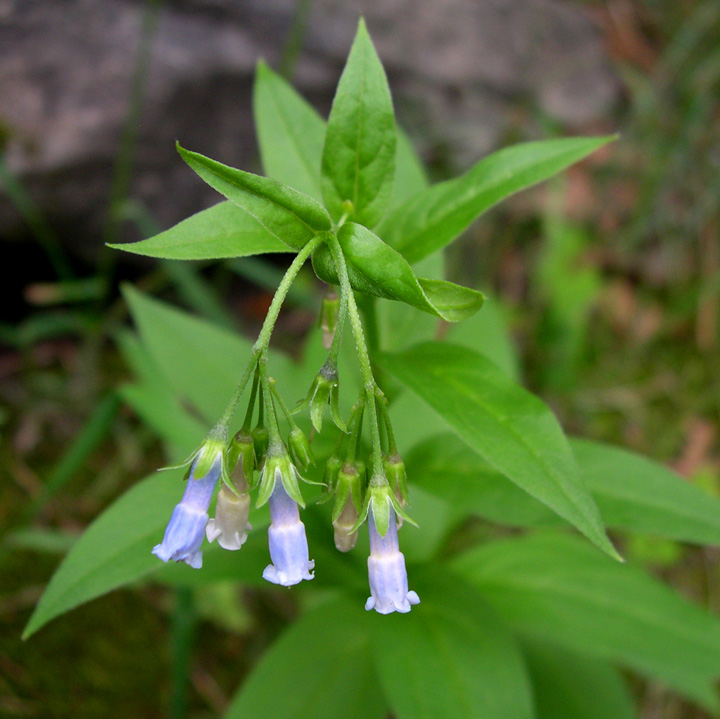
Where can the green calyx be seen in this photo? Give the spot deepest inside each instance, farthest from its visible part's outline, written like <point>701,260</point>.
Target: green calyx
<point>379,498</point>
<point>299,447</point>
<point>397,476</point>
<point>349,485</point>
<point>241,462</point>
<point>323,391</point>
<point>278,466</point>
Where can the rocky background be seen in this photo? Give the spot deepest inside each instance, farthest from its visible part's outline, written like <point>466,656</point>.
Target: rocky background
<point>79,89</point>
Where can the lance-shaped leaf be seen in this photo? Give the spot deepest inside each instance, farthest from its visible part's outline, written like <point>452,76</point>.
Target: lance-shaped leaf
<point>290,216</point>
<point>378,269</point>
<point>224,230</point>
<point>290,133</point>
<point>555,586</point>
<point>433,218</point>
<point>631,491</point>
<point>358,161</point>
<point>513,430</point>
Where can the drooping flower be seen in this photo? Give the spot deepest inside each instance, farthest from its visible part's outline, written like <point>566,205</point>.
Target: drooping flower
<point>286,535</point>
<point>230,524</point>
<point>386,569</point>
<point>186,529</point>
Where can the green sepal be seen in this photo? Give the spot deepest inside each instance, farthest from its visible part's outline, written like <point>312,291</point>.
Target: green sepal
<point>261,441</point>
<point>300,449</point>
<point>349,484</point>
<point>278,463</point>
<point>377,269</point>
<point>241,461</point>
<point>333,465</point>
<point>289,215</point>
<point>397,475</point>
<point>335,408</point>
<point>319,395</point>
<point>215,444</point>
<point>329,317</point>
<point>380,506</point>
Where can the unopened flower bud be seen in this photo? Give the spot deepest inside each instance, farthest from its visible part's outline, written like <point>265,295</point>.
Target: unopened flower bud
<point>345,536</point>
<point>241,461</point>
<point>261,441</point>
<point>230,525</point>
<point>330,474</point>
<point>329,317</point>
<point>348,503</point>
<point>299,447</point>
<point>397,476</point>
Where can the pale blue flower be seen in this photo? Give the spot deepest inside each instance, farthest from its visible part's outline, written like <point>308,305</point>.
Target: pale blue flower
<point>386,571</point>
<point>186,529</point>
<point>287,540</point>
<point>230,525</point>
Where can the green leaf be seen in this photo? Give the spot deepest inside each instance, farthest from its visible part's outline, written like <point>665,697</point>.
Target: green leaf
<point>290,133</point>
<point>507,426</point>
<point>448,468</point>
<point>410,175</point>
<point>288,215</point>
<point>220,231</point>
<point>432,219</point>
<point>487,333</point>
<point>376,269</point>
<point>631,492</point>
<point>358,160</point>
<point>450,657</point>
<point>571,686</point>
<point>636,493</point>
<point>321,667</point>
<point>555,587</point>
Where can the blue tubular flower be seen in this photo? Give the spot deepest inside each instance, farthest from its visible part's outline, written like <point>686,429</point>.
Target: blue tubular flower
<point>386,570</point>
<point>186,528</point>
<point>287,540</point>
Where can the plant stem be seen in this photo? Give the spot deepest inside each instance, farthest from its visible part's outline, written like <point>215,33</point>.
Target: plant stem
<point>369,384</point>
<point>263,340</point>
<point>183,625</point>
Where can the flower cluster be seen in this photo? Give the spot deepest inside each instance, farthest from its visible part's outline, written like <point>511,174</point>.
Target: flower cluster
<point>260,459</point>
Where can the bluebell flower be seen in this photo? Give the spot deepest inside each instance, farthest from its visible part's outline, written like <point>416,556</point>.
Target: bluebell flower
<point>386,570</point>
<point>286,536</point>
<point>186,528</point>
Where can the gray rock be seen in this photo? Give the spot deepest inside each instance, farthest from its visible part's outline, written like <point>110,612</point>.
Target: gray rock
<point>459,70</point>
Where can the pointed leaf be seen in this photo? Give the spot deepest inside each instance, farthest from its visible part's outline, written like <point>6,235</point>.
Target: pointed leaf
<point>555,586</point>
<point>450,657</point>
<point>410,175</point>
<point>633,492</point>
<point>358,161</point>
<point>376,269</point>
<point>290,133</point>
<point>435,217</point>
<point>224,230</point>
<point>507,426</point>
<point>321,667</point>
<point>288,215</point>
